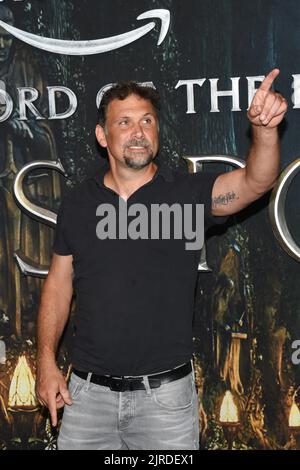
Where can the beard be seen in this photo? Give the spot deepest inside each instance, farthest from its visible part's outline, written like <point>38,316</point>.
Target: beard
<point>138,159</point>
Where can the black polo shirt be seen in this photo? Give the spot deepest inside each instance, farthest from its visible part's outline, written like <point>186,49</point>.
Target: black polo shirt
<point>134,298</point>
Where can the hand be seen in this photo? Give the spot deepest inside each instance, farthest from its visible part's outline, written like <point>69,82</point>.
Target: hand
<point>52,391</point>
<point>267,108</point>
<point>20,128</point>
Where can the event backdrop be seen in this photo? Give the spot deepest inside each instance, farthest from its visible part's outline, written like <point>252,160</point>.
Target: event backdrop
<point>247,308</point>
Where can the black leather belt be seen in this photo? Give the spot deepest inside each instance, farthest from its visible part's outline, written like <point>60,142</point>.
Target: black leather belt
<point>124,384</point>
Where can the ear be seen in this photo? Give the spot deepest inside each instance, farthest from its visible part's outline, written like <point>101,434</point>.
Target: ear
<point>100,136</point>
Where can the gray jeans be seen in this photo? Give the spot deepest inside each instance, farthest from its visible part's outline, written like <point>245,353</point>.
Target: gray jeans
<point>160,418</point>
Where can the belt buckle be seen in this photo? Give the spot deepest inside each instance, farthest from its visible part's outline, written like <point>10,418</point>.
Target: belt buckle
<point>119,384</point>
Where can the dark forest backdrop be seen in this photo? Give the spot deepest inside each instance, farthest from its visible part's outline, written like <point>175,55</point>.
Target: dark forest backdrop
<point>247,310</point>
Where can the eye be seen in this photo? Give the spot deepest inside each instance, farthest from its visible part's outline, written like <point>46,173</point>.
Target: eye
<point>124,122</point>
<point>148,120</point>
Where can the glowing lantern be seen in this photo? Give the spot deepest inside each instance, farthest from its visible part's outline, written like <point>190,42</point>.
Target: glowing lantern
<point>228,411</point>
<point>294,418</point>
<point>229,418</point>
<point>22,388</point>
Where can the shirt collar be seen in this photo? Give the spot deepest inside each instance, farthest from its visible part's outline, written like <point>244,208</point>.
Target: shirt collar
<point>162,169</point>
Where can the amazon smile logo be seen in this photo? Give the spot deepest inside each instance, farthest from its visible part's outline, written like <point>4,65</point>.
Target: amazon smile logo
<point>97,46</point>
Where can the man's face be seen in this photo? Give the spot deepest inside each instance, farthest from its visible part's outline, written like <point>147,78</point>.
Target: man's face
<point>131,132</point>
<point>5,45</point>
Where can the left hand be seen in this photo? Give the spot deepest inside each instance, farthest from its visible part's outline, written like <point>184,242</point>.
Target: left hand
<point>267,108</point>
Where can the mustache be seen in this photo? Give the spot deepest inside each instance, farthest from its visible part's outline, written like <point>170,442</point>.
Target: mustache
<point>137,143</point>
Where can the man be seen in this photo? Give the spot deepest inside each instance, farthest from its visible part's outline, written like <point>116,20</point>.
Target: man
<point>132,385</point>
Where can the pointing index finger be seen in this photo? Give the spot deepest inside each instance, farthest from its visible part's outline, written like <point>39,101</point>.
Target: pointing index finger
<point>268,80</point>
<point>53,410</point>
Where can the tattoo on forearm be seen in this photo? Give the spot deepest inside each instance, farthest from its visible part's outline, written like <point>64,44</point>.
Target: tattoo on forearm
<point>224,199</point>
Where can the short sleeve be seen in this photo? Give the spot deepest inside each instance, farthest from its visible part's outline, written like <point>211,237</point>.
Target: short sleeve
<point>202,185</point>
<point>60,245</point>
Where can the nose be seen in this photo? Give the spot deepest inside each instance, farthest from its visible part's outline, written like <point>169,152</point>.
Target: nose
<point>138,131</point>
<point>1,42</point>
